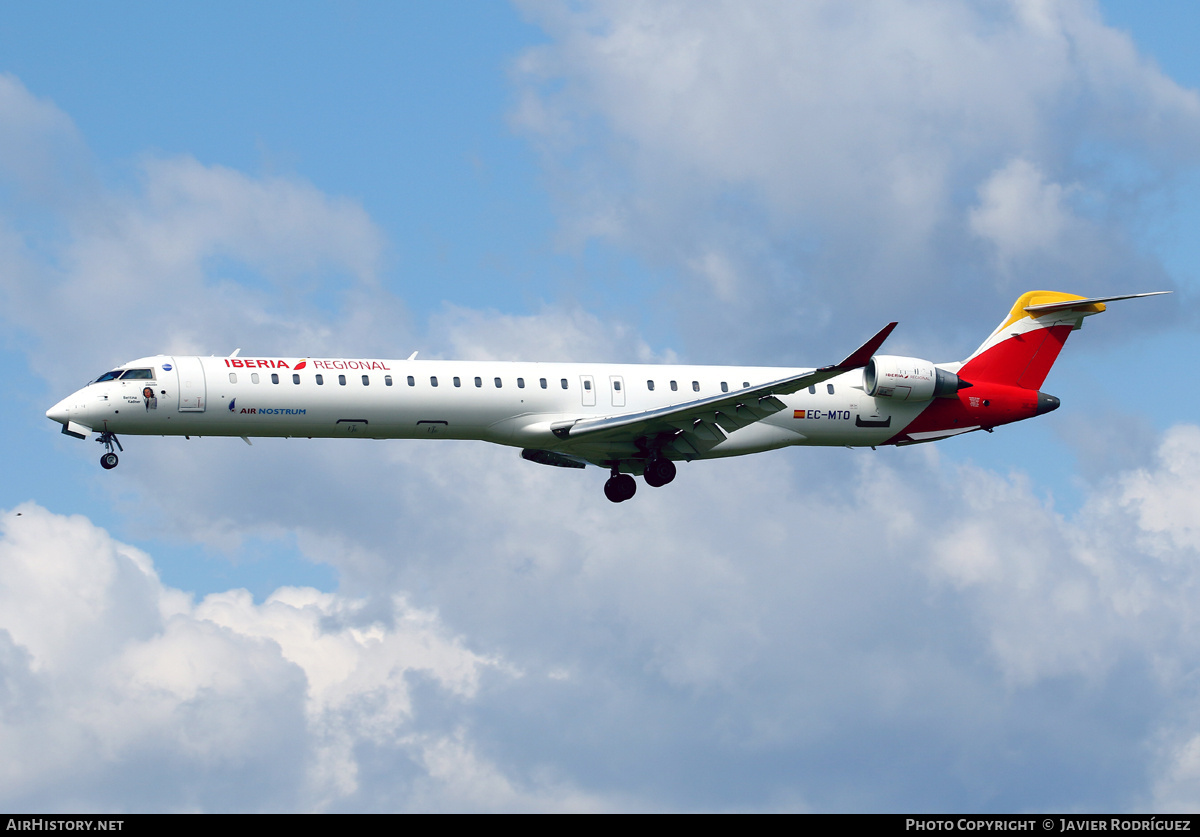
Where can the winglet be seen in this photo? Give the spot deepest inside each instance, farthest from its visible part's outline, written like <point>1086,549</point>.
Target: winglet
<point>860,356</point>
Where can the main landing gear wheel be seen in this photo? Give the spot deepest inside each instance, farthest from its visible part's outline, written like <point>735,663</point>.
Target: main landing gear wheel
<point>620,487</point>
<point>108,461</point>
<point>659,472</point>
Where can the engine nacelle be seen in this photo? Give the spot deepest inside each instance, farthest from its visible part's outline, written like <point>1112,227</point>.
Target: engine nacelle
<point>908,379</point>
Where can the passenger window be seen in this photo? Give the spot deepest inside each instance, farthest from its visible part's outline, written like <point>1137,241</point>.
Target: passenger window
<point>520,383</point>
<point>320,380</point>
<point>695,386</point>
<point>542,381</point>
<point>812,390</point>
<point>254,377</point>
<point>674,386</point>
<point>498,384</point>
<point>233,377</point>
<point>387,380</point>
<point>587,385</point>
<point>650,385</point>
<point>342,380</point>
<point>412,382</point>
<point>433,380</point>
<point>564,383</point>
<point>724,386</point>
<point>295,379</point>
<point>829,388</point>
<point>457,381</point>
<point>478,381</point>
<point>274,377</point>
<point>745,385</point>
<point>366,381</point>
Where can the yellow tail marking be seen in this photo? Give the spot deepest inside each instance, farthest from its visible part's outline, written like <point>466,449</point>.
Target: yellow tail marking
<point>1041,298</point>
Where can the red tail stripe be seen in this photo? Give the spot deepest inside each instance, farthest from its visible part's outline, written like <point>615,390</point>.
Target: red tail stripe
<point>1022,360</point>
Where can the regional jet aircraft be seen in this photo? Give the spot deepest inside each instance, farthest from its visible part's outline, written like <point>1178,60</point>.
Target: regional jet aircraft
<point>629,419</point>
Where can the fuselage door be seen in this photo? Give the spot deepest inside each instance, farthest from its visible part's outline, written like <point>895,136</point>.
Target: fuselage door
<point>587,388</point>
<point>617,384</point>
<point>192,390</point>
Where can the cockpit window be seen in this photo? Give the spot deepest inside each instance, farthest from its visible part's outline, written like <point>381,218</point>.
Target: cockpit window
<point>109,376</point>
<point>138,374</point>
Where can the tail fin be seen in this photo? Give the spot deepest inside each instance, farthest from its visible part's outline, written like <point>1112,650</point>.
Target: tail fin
<point>1025,345</point>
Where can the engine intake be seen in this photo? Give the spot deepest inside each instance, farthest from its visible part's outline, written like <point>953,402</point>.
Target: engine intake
<point>908,379</point>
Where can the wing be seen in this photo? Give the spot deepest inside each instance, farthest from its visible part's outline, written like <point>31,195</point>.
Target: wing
<point>698,426</point>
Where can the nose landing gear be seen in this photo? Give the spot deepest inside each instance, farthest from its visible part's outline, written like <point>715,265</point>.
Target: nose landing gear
<point>108,461</point>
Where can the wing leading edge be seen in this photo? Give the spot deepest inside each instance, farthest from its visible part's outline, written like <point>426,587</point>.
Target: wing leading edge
<point>701,424</point>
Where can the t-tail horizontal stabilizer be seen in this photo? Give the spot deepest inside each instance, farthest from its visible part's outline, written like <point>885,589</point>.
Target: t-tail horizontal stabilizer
<point>1083,304</point>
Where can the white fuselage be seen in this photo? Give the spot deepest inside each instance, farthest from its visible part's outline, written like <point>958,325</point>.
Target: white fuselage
<point>508,403</point>
<point>632,419</point>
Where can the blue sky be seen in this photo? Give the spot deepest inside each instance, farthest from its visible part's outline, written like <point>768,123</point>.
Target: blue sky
<point>1002,623</point>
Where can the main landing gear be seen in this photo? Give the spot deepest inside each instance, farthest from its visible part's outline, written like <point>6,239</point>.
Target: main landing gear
<point>620,487</point>
<point>659,472</point>
<point>108,461</point>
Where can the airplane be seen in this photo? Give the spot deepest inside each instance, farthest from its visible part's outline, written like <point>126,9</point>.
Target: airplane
<point>631,419</point>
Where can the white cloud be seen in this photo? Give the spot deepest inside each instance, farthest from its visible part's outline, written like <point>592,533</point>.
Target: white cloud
<point>285,228</point>
<point>1165,499</point>
<point>755,610</point>
<point>197,258</point>
<point>551,334</point>
<point>782,159</point>
<point>850,628</point>
<point>108,672</point>
<point>40,149</point>
<point>1176,786</point>
<point>1020,213</point>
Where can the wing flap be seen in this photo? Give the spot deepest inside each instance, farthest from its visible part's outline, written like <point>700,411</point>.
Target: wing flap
<point>686,449</point>
<point>750,413</point>
<point>729,422</point>
<point>707,431</point>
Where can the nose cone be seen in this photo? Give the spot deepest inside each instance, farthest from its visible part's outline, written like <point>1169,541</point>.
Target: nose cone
<point>59,412</point>
<point>1046,403</point>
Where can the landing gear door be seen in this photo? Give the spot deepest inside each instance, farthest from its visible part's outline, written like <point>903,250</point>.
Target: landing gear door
<point>192,390</point>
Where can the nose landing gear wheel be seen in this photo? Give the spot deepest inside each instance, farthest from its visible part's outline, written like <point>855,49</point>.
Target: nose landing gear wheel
<point>109,460</point>
<point>620,487</point>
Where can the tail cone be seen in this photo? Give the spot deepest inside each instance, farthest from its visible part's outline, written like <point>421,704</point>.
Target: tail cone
<point>1046,403</point>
